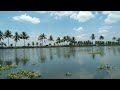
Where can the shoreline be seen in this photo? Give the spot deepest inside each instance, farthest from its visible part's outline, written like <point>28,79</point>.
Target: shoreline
<point>51,46</point>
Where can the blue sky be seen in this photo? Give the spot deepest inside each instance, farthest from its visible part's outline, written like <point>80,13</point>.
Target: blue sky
<point>80,24</point>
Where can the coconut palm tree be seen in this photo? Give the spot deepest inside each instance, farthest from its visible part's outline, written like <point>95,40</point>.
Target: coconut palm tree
<point>64,39</point>
<point>51,38</point>
<point>92,37</point>
<point>24,36</point>
<point>118,40</point>
<point>42,37</point>
<point>36,43</point>
<point>1,37</point>
<point>16,38</point>
<point>114,38</point>
<point>101,37</point>
<point>73,40</point>
<point>68,38</point>
<point>32,43</point>
<point>58,40</point>
<point>8,34</point>
<point>28,44</point>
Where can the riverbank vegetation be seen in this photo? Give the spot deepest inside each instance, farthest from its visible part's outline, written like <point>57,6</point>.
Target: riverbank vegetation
<point>59,42</point>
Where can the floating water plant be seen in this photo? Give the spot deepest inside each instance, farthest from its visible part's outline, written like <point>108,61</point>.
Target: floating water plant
<point>6,67</point>
<point>22,74</point>
<point>105,67</point>
<point>68,74</point>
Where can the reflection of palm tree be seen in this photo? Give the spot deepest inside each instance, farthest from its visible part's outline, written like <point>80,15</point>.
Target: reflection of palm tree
<point>93,56</point>
<point>51,53</point>
<point>42,56</point>
<point>17,61</point>
<point>58,51</point>
<point>24,60</point>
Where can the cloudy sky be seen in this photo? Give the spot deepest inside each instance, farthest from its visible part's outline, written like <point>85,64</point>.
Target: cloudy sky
<point>80,24</point>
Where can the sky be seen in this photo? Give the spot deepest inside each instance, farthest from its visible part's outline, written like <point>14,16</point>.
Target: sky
<point>80,24</point>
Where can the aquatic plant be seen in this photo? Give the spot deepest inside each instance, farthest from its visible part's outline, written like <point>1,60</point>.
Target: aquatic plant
<point>68,74</point>
<point>6,67</point>
<point>105,67</point>
<point>22,74</point>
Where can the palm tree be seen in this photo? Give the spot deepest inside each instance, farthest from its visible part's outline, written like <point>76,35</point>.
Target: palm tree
<point>32,43</point>
<point>8,34</point>
<point>118,39</point>
<point>64,39</point>
<point>68,38</point>
<point>58,40</point>
<point>28,44</point>
<point>36,43</point>
<point>24,36</point>
<point>114,38</point>
<point>1,37</point>
<point>73,40</point>
<point>16,37</point>
<point>42,37</point>
<point>51,38</point>
<point>92,37</point>
<point>101,37</point>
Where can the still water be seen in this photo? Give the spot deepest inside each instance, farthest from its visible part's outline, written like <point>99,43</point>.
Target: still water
<point>54,63</point>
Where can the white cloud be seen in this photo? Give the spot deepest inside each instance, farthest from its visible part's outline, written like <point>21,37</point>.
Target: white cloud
<point>113,17</point>
<point>41,12</point>
<point>27,18</point>
<point>82,16</point>
<point>61,13</point>
<point>101,31</point>
<point>81,36</point>
<point>78,29</point>
<point>104,29</point>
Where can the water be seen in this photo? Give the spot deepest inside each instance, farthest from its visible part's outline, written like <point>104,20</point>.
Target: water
<point>54,63</point>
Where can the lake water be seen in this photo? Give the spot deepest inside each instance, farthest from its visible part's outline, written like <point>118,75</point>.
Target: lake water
<point>54,63</point>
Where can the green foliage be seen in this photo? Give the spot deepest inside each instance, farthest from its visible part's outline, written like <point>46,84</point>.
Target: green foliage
<point>23,74</point>
<point>105,67</point>
<point>6,67</point>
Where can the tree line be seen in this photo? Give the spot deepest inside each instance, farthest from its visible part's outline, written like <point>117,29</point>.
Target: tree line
<point>64,41</point>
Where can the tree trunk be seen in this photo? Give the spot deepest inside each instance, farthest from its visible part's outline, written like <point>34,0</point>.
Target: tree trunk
<point>15,44</point>
<point>8,41</point>
<point>42,42</point>
<point>24,42</point>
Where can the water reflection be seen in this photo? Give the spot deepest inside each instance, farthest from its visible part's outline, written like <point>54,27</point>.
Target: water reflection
<point>42,57</point>
<point>50,54</point>
<point>22,59</point>
<point>60,60</point>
